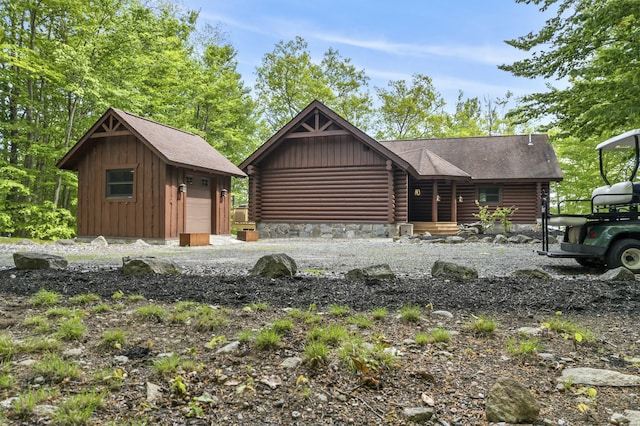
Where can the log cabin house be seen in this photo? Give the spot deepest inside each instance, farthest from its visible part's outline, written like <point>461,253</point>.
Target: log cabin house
<point>139,179</point>
<point>320,176</point>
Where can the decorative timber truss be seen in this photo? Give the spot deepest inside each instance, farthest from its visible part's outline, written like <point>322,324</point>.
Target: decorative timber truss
<point>110,126</point>
<point>316,124</point>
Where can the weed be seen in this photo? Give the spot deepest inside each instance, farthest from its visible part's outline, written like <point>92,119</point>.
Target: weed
<point>8,348</point>
<point>331,335</point>
<point>61,313</point>
<point>441,335</point>
<point>84,299</point>
<point>282,326</point>
<point>112,378</point>
<point>184,306</point>
<point>26,401</point>
<point>259,307</point>
<point>113,339</point>
<point>208,318</point>
<point>379,313</point>
<point>523,347</point>
<point>267,339</point>
<point>166,365</point>
<point>55,369</point>
<point>482,325</point>
<point>360,321</point>
<point>39,345</point>
<point>316,353</point>
<point>422,339</point>
<point>339,310</point>
<point>77,409</point>
<point>178,386</point>
<point>39,323</point>
<point>101,308</point>
<point>44,298</point>
<point>151,313</point>
<point>135,298</point>
<point>215,340</point>
<point>309,317</point>
<point>570,329</point>
<point>71,329</point>
<point>117,295</point>
<point>244,336</point>
<point>410,313</point>
<point>6,381</point>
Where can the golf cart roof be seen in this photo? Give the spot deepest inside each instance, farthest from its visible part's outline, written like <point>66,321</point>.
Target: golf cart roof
<point>627,140</point>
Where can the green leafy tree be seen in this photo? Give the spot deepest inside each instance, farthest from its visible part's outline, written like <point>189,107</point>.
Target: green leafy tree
<point>594,47</point>
<point>410,110</point>
<point>288,80</point>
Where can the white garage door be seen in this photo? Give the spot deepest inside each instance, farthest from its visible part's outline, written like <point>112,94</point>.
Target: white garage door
<point>198,215</point>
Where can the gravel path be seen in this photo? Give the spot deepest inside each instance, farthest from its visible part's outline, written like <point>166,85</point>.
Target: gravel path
<point>228,256</point>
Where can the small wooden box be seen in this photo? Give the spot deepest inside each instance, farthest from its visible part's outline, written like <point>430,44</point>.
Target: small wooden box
<point>247,235</point>
<point>194,239</point>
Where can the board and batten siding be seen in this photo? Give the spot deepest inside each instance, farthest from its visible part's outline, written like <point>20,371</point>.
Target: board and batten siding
<point>524,195</point>
<point>323,179</point>
<point>139,216</point>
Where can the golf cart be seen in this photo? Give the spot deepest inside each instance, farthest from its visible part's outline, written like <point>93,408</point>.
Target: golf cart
<point>608,235</point>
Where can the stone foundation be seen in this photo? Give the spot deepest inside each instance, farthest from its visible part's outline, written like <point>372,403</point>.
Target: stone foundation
<point>327,230</point>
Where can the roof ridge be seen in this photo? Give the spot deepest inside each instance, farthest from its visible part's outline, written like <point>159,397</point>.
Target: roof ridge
<point>155,122</point>
<point>459,137</point>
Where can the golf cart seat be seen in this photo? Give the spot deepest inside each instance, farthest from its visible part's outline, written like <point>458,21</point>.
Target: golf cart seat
<point>566,220</point>
<point>616,194</point>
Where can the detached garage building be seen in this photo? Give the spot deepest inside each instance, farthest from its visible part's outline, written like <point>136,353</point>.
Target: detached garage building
<point>141,179</point>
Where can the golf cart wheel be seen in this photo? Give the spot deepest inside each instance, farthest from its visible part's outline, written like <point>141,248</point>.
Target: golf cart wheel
<point>590,262</point>
<point>624,253</point>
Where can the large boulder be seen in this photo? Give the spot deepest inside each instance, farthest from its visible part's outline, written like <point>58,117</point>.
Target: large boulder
<point>275,265</point>
<point>145,265</point>
<point>453,270</point>
<point>32,260</point>
<point>509,401</point>
<point>618,274</point>
<point>382,271</point>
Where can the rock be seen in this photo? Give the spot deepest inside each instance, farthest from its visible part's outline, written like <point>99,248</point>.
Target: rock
<point>275,265</point>
<point>443,314</point>
<point>418,414</point>
<point>537,274</point>
<point>120,359</point>
<point>509,401</point>
<point>452,270</point>
<point>530,331</point>
<point>455,240</point>
<point>519,239</point>
<point>597,377</point>
<point>7,404</point>
<point>99,242</point>
<point>44,410</point>
<point>32,260</point>
<point>633,416</point>
<point>382,271</point>
<point>25,242</point>
<point>229,348</point>
<point>154,392</point>
<point>73,352</point>
<point>618,274</point>
<point>65,242</point>
<point>291,363</point>
<point>500,239</point>
<point>140,243</point>
<point>144,265</point>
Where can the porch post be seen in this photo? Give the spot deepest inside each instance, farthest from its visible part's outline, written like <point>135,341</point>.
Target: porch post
<point>454,203</point>
<point>434,201</point>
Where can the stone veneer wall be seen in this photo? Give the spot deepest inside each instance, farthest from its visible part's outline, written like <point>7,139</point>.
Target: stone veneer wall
<point>327,230</point>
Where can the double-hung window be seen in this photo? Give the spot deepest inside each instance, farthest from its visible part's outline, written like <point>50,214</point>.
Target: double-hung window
<point>120,183</point>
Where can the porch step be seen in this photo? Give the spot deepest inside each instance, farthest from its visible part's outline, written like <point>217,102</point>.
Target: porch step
<point>436,228</point>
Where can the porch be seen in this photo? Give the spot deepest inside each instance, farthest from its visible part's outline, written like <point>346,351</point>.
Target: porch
<point>435,228</point>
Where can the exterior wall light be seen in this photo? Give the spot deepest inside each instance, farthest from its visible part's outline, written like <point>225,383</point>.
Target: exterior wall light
<point>182,187</point>
<point>223,193</point>
<point>438,198</point>
<point>460,199</point>
<point>416,192</point>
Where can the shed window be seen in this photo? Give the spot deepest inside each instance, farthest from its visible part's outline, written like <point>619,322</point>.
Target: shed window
<point>489,194</point>
<point>120,183</point>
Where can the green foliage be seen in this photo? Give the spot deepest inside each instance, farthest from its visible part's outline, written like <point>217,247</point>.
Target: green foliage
<point>209,319</point>
<point>8,348</point>
<point>77,409</point>
<point>166,365</point>
<point>501,214</point>
<point>22,407</point>
<point>282,326</point>
<point>151,313</point>
<point>523,347</point>
<point>593,47</point>
<point>440,335</point>
<point>482,325</point>
<point>360,320</point>
<point>569,329</point>
<point>267,339</point>
<point>316,353</point>
<point>410,313</point>
<point>113,339</point>
<point>379,313</point>
<point>84,299</point>
<point>44,298</point>
<point>339,310</point>
<point>55,369</point>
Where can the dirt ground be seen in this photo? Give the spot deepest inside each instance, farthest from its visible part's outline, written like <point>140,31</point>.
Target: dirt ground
<point>357,382</point>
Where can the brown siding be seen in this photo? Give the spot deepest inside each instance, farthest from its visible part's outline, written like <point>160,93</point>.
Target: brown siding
<point>221,220</point>
<point>354,194</point>
<point>525,196</point>
<point>136,217</point>
<point>401,184</point>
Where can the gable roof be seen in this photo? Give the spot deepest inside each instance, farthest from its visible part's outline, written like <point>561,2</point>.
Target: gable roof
<point>174,146</point>
<point>429,164</point>
<point>489,157</point>
<point>339,122</point>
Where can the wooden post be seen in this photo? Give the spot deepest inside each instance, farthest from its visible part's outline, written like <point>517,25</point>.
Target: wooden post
<point>434,202</point>
<point>391,207</point>
<point>454,202</point>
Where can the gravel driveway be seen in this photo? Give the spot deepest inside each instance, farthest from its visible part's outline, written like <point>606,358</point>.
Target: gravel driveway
<point>226,255</point>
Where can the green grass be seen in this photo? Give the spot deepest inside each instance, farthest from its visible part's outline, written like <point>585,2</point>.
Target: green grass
<point>44,298</point>
<point>267,339</point>
<point>56,369</point>
<point>569,328</point>
<point>379,313</point>
<point>210,319</point>
<point>316,353</point>
<point>166,365</point>
<point>70,329</point>
<point>151,313</point>
<point>339,310</point>
<point>60,312</point>
<point>410,313</point>
<point>524,347</point>
<point>101,308</point>
<point>360,320</point>
<point>422,339</point>
<point>6,381</point>
<point>113,339</point>
<point>77,409</point>
<point>440,335</point>
<point>39,323</point>
<point>134,298</point>
<point>23,407</point>
<point>482,325</point>
<point>282,326</point>
<point>259,306</point>
<point>40,345</point>
<point>84,299</point>
<point>331,335</point>
<point>8,348</point>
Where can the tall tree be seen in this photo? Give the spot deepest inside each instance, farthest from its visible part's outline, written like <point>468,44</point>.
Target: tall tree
<point>288,80</point>
<point>594,47</point>
<point>414,110</point>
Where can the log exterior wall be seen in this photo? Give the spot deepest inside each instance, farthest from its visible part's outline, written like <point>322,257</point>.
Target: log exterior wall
<point>323,179</point>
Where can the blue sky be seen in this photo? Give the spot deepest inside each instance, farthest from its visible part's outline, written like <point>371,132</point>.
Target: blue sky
<point>458,43</point>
